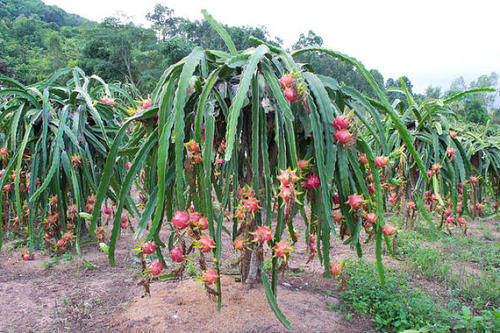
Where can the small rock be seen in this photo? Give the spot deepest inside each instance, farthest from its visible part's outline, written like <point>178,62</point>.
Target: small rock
<point>285,284</point>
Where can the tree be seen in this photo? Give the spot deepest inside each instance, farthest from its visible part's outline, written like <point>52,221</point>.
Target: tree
<point>392,83</point>
<point>486,81</point>
<point>118,50</point>
<point>475,110</point>
<point>163,21</point>
<point>458,84</point>
<point>433,92</point>
<point>311,40</point>
<point>4,70</point>
<point>328,66</point>
<point>55,53</point>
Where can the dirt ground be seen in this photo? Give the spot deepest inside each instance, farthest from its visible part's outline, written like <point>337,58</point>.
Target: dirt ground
<point>70,297</point>
<point>66,296</point>
<point>184,307</point>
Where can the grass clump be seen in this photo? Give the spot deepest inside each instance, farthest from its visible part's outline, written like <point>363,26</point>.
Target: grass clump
<point>483,288</point>
<point>398,306</point>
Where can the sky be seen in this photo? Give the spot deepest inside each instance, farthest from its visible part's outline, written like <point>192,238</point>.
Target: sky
<point>430,41</point>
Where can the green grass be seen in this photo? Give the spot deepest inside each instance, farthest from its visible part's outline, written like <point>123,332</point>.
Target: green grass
<point>485,254</point>
<point>449,265</point>
<point>488,235</point>
<point>398,306</point>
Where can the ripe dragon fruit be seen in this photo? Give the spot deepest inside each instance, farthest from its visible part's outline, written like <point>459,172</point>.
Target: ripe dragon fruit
<point>202,223</point>
<point>342,136</point>
<point>287,177</point>
<point>303,164</point>
<point>26,256</point>
<point>354,200</point>
<point>156,268</point>
<point>363,159</point>
<point>287,80</point>
<point>210,276</point>
<point>291,94</point>
<point>176,255</point>
<point>341,122</point>
<point>436,167</point>
<point>180,220</point>
<point>335,268</point>
<point>149,248</point>
<point>239,243</point>
<point>108,101</point>
<point>380,161</point>
<point>388,230</point>
<point>262,235</point>
<point>312,182</point>
<point>282,249</point>
<point>206,243</point>
<point>252,204</point>
<point>371,218</point>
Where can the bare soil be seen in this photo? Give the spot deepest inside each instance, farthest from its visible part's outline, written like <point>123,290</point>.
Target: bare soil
<point>184,307</point>
<point>66,296</point>
<point>70,297</point>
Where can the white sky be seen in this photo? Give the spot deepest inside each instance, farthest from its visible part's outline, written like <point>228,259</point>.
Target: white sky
<point>430,41</point>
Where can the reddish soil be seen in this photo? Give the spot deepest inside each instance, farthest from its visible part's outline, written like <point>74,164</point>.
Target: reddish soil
<point>70,297</point>
<point>66,296</point>
<point>184,306</point>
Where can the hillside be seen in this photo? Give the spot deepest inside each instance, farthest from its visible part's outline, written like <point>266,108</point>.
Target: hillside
<point>12,9</point>
<point>37,39</point>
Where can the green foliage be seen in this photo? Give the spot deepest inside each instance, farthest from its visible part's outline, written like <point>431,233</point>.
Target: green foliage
<point>485,254</point>
<point>395,306</point>
<point>476,108</point>
<point>473,155</point>
<point>487,321</point>
<point>232,101</point>
<point>433,92</point>
<point>11,9</point>
<point>36,40</point>
<point>56,138</point>
<point>481,288</point>
<point>475,111</point>
<point>122,51</point>
<point>398,306</point>
<point>328,66</point>
<point>191,109</point>
<point>392,84</point>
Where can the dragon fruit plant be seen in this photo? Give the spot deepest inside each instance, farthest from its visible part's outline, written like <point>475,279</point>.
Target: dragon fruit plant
<point>240,142</point>
<point>57,138</point>
<point>253,138</point>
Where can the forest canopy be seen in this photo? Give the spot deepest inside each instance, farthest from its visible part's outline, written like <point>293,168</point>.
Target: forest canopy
<point>37,39</point>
